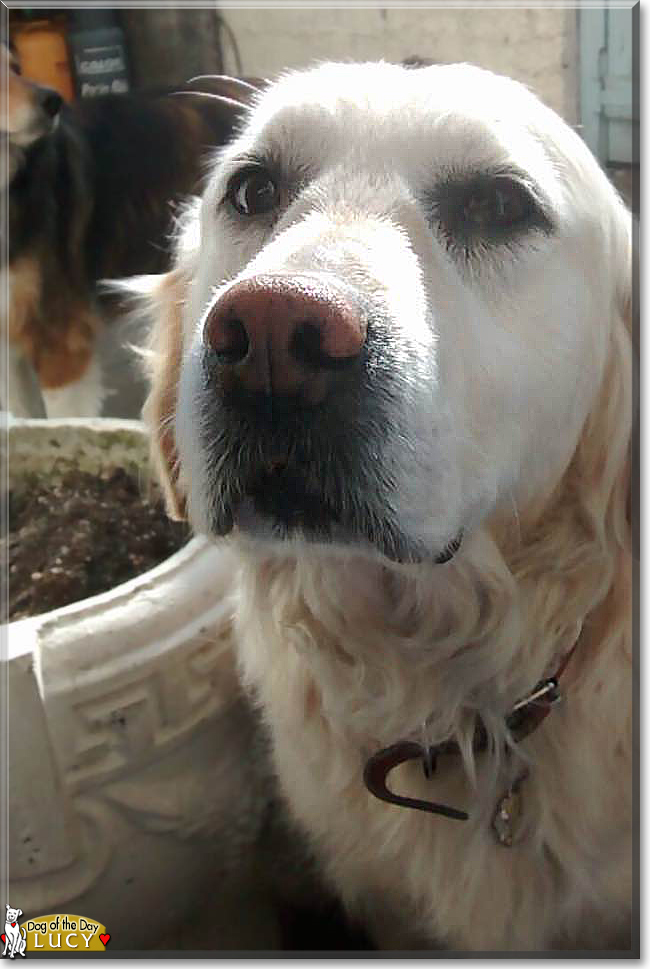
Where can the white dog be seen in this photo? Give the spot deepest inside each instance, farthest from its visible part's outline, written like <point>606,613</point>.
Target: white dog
<point>15,937</point>
<point>393,366</point>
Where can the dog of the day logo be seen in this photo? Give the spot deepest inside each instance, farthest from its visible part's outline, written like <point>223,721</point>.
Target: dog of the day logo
<point>51,933</point>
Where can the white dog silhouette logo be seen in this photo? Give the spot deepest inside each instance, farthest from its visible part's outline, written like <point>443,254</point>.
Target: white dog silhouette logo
<point>14,937</point>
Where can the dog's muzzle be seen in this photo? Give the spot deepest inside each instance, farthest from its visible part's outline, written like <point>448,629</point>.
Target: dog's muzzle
<point>296,403</point>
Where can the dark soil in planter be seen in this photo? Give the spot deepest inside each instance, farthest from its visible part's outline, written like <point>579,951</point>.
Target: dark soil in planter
<point>83,536</point>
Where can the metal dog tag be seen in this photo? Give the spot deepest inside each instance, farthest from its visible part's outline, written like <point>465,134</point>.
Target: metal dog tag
<point>508,813</point>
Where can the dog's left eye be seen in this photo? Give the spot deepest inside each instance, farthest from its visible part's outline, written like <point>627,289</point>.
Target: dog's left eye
<point>487,209</point>
<point>252,191</point>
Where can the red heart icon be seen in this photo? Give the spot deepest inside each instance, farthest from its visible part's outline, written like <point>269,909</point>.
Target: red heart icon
<point>104,938</point>
<point>3,937</point>
<point>13,925</point>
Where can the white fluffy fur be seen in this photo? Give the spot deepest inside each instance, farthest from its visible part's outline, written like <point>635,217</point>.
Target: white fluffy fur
<point>517,392</point>
<point>81,397</point>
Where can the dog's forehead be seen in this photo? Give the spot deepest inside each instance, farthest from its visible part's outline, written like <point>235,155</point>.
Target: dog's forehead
<point>442,114</point>
<point>385,94</point>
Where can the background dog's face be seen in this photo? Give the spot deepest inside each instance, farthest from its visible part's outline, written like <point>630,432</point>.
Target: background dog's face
<point>400,288</point>
<point>29,111</point>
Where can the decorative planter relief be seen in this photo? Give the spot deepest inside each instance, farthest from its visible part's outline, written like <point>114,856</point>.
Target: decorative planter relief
<point>137,779</point>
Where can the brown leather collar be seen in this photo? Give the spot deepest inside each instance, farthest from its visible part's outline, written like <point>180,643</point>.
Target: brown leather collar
<point>525,717</point>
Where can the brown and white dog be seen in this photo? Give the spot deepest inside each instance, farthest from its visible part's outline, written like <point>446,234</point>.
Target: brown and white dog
<point>392,373</point>
<point>30,112</point>
<point>91,191</point>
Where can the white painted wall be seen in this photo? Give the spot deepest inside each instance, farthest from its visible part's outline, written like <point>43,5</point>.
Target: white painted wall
<point>536,46</point>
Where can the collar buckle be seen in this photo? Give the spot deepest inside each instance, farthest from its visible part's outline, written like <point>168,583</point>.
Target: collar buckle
<point>546,691</point>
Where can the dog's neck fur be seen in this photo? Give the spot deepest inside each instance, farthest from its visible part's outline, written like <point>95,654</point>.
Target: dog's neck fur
<point>530,582</point>
<point>427,650</point>
<point>392,647</point>
<point>349,658</point>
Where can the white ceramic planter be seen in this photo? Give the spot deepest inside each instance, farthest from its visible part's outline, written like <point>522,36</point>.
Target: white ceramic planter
<point>137,782</point>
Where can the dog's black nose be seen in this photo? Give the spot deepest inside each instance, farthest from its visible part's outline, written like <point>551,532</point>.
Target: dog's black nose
<point>51,101</point>
<point>286,335</point>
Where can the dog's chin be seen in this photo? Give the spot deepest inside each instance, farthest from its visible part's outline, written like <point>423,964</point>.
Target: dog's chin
<point>255,521</point>
<point>15,146</point>
<point>33,133</point>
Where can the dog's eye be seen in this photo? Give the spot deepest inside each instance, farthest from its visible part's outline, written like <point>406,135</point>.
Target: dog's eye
<point>488,209</point>
<point>252,191</point>
<point>502,207</point>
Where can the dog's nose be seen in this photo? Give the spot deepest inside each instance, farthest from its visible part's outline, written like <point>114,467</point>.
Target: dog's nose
<point>284,335</point>
<point>51,101</point>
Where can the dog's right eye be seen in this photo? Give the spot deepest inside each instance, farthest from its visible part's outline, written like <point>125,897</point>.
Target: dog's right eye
<point>252,191</point>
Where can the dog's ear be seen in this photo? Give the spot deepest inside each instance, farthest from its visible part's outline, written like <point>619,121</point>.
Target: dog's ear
<point>629,321</point>
<point>605,448</point>
<point>624,325</point>
<point>163,362</point>
<point>153,305</point>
